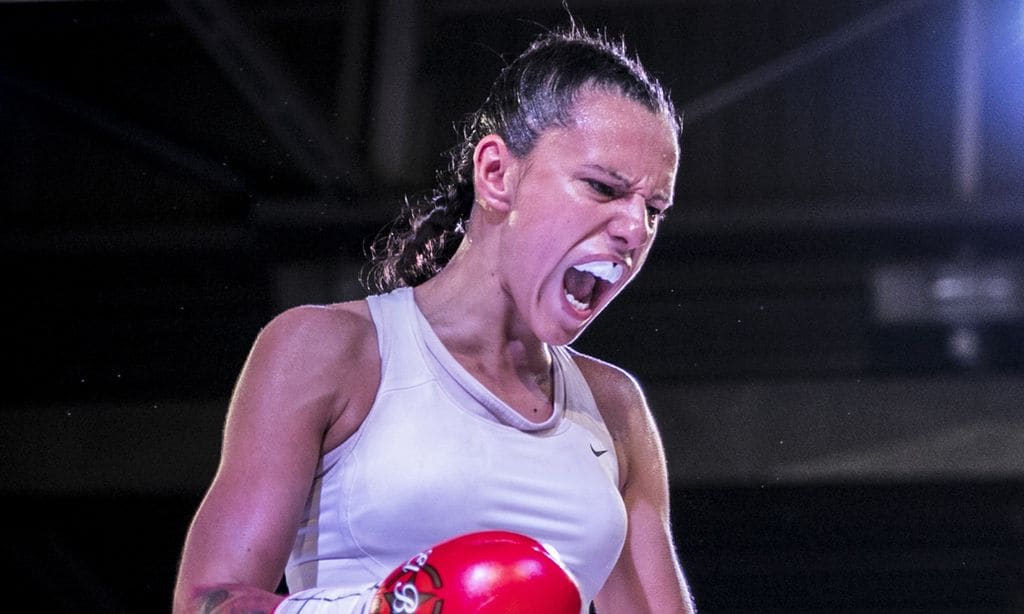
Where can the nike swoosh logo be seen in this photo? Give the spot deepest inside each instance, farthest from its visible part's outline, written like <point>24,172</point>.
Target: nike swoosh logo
<point>597,452</point>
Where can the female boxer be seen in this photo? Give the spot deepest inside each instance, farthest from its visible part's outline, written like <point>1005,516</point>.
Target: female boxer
<point>448,404</point>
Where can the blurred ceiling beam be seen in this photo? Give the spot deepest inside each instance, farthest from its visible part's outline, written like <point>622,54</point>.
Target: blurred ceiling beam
<point>309,139</point>
<point>196,163</point>
<point>873,212</point>
<point>394,115</point>
<point>967,144</point>
<point>797,59</point>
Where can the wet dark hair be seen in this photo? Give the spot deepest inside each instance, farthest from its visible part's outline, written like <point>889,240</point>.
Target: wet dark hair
<point>535,92</point>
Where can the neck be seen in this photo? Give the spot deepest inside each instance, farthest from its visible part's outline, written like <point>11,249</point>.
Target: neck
<point>478,323</point>
<point>475,319</point>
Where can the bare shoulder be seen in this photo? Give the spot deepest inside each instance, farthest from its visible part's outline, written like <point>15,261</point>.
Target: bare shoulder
<point>335,338</point>
<point>617,393</point>
<point>341,326</point>
<point>324,354</point>
<point>626,414</point>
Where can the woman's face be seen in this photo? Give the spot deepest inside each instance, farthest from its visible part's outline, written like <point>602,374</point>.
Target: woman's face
<point>585,208</point>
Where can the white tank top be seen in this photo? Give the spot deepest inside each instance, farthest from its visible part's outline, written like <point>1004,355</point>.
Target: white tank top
<point>439,455</point>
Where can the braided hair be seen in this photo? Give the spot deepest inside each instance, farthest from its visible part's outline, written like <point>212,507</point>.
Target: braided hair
<point>535,92</point>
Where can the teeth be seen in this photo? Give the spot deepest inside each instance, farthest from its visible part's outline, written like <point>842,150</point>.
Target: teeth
<point>577,304</point>
<point>608,271</point>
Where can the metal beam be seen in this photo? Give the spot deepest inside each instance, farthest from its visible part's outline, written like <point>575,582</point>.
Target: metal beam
<point>309,139</point>
<point>967,139</point>
<point>394,91</point>
<point>196,163</point>
<point>801,57</point>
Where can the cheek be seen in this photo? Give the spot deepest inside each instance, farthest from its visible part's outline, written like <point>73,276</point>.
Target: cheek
<point>545,223</point>
<point>539,227</point>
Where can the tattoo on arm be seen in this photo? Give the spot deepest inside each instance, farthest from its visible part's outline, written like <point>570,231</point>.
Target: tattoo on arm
<point>213,601</point>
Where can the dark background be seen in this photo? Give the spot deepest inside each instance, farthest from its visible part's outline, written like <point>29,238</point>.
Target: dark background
<point>830,326</point>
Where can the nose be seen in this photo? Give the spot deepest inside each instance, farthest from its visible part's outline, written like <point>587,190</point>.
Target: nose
<point>629,226</point>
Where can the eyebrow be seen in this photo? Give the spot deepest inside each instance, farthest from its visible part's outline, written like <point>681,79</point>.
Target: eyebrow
<point>625,182</point>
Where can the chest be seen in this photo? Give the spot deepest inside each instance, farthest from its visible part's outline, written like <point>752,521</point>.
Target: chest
<point>424,470</point>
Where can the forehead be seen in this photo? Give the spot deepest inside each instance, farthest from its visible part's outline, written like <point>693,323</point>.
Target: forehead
<point>615,132</point>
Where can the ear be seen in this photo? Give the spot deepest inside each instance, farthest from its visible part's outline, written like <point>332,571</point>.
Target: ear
<point>493,164</point>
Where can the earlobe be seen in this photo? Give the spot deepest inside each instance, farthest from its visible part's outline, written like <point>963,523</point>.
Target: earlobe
<point>492,177</point>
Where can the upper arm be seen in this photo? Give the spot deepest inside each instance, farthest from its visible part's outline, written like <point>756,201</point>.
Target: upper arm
<point>647,576</point>
<point>301,379</point>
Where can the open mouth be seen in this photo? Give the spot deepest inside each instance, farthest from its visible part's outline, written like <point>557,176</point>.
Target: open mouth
<point>585,283</point>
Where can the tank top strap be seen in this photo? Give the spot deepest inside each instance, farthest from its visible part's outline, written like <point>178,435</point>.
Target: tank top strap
<point>411,353</point>
<point>395,316</point>
<point>577,391</point>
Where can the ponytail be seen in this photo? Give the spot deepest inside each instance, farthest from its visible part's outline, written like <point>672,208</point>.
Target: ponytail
<point>424,237</point>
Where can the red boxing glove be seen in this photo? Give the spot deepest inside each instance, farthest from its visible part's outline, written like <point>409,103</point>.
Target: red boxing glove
<point>491,572</point>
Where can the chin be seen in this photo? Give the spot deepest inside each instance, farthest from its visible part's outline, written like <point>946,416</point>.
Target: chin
<point>561,336</point>
<point>565,339</point>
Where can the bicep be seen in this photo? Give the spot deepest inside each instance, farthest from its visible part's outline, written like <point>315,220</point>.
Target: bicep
<point>281,407</point>
<point>647,577</point>
<point>240,535</point>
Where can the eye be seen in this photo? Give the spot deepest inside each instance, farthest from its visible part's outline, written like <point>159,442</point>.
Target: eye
<point>655,215</point>
<point>601,188</point>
